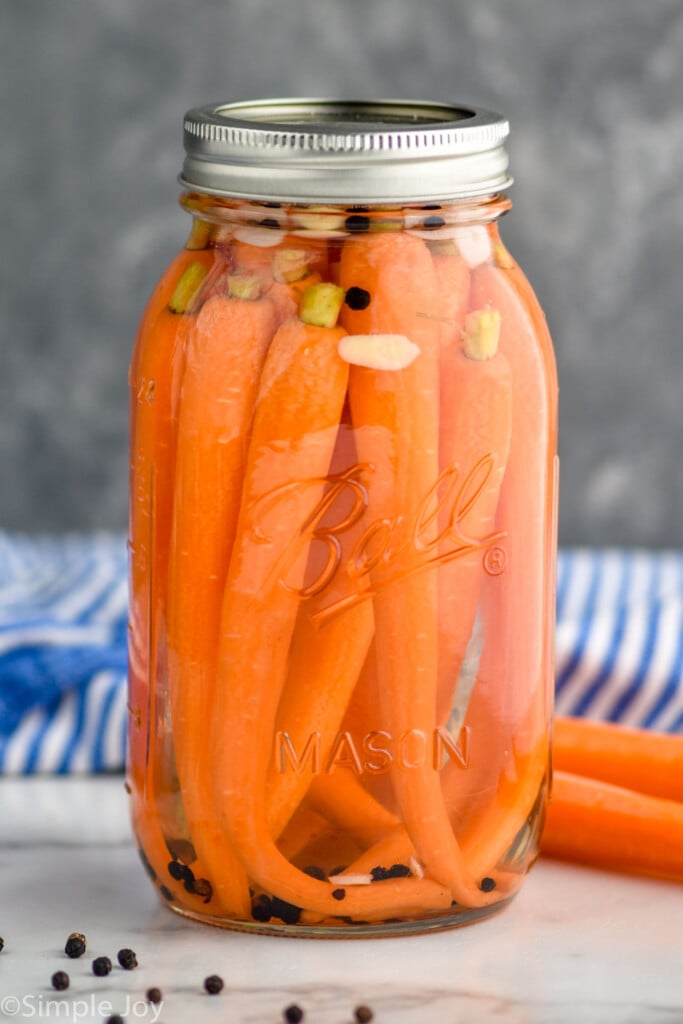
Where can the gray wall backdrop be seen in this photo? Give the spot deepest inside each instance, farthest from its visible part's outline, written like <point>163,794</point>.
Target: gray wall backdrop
<point>594,90</point>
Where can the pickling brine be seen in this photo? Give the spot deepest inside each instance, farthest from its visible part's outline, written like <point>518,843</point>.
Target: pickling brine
<point>342,529</point>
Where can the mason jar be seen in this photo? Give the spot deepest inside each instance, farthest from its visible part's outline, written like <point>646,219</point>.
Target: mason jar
<point>343,487</point>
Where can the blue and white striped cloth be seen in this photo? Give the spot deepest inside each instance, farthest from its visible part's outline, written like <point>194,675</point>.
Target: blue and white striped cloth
<point>63,646</point>
<point>63,615</point>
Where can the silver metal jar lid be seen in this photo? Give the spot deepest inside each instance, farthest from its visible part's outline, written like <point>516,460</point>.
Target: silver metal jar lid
<point>344,151</point>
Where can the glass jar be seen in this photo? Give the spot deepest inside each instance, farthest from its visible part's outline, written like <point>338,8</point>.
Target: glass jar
<point>342,528</point>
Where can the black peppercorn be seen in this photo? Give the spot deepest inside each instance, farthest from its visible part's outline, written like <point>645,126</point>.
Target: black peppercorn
<point>115,1019</point>
<point>313,871</point>
<point>75,945</point>
<point>487,885</point>
<point>101,966</point>
<point>166,892</point>
<point>380,874</point>
<point>357,298</point>
<point>127,959</point>
<point>433,222</point>
<point>2,945</point>
<point>200,887</point>
<point>357,223</point>
<point>179,871</point>
<point>154,995</point>
<point>287,912</point>
<point>293,1014</point>
<point>213,984</point>
<point>269,222</point>
<point>363,1014</point>
<point>60,980</point>
<point>262,908</point>
<point>338,894</point>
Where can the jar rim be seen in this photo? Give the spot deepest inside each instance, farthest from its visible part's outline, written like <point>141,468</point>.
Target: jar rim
<point>346,151</point>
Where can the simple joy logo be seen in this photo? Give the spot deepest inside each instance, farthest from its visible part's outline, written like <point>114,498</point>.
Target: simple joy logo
<point>75,1010</point>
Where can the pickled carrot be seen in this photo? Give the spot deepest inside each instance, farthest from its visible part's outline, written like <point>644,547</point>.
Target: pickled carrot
<point>160,336</point>
<point>510,700</point>
<point>608,826</point>
<point>475,428</point>
<point>639,759</point>
<point>326,657</point>
<point>396,425</point>
<point>287,296</point>
<point>516,657</point>
<point>453,278</point>
<point>324,665</point>
<point>488,834</point>
<point>340,798</point>
<point>248,255</point>
<point>395,847</point>
<point>225,355</point>
<point>486,837</point>
<point>296,420</point>
<point>305,826</point>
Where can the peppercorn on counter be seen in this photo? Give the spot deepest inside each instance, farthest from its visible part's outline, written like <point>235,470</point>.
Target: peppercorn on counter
<point>606,952</point>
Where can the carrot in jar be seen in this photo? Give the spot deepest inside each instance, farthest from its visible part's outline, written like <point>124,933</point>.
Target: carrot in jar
<point>225,356</point>
<point>296,421</point>
<point>161,336</point>
<point>396,423</point>
<point>475,428</point>
<point>285,269</point>
<point>326,656</point>
<point>516,650</point>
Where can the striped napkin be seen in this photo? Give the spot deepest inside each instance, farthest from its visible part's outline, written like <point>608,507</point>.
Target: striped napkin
<point>63,646</point>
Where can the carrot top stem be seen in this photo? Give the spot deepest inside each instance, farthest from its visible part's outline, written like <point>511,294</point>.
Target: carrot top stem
<point>482,333</point>
<point>200,233</point>
<point>244,286</point>
<point>290,265</point>
<point>187,288</point>
<point>321,304</point>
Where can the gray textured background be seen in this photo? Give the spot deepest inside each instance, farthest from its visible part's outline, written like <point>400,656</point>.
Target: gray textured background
<point>594,90</point>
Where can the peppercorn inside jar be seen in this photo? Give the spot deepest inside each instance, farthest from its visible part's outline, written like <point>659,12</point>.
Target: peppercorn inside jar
<point>342,528</point>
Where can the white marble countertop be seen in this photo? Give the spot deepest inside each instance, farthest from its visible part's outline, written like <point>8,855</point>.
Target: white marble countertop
<point>576,947</point>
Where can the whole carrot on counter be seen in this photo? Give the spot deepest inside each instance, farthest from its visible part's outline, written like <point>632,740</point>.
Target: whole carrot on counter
<point>225,356</point>
<point>596,823</point>
<point>638,759</point>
